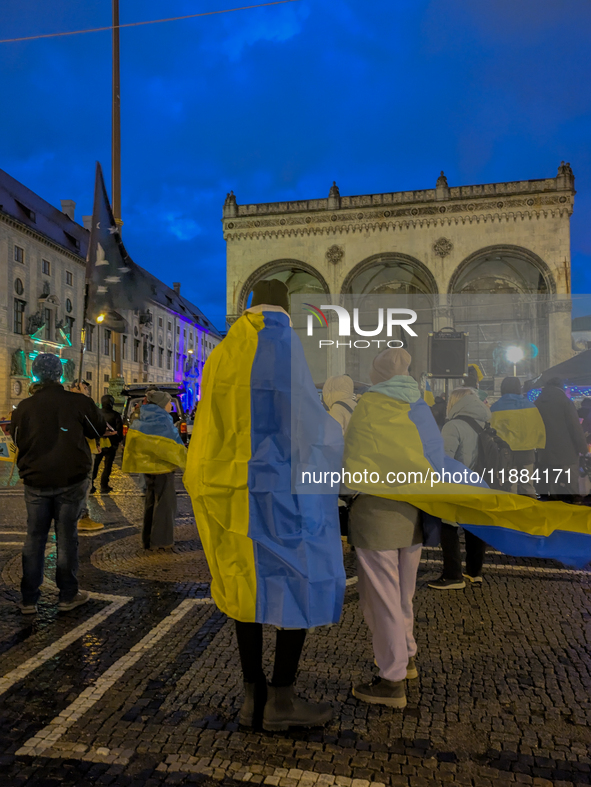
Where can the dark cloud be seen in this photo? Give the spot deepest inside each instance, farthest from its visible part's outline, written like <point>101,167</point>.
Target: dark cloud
<point>278,102</point>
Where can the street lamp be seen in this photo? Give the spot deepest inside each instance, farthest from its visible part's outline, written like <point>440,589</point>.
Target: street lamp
<point>514,354</point>
<point>100,318</point>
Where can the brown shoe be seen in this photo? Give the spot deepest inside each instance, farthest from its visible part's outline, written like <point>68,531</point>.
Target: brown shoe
<point>86,523</point>
<point>411,669</point>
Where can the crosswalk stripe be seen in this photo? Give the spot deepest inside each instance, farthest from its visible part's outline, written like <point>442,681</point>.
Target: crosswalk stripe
<point>21,672</point>
<point>50,734</point>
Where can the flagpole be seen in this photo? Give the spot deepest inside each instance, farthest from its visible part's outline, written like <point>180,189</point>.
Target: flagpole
<point>117,366</point>
<point>116,123</point>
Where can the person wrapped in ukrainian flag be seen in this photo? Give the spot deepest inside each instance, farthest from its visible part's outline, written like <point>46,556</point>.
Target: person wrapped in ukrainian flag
<point>274,551</point>
<point>519,423</point>
<point>154,447</point>
<point>395,453</point>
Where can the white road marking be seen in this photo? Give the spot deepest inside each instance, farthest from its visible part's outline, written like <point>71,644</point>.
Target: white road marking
<point>50,734</point>
<point>527,569</point>
<point>11,543</point>
<point>52,650</point>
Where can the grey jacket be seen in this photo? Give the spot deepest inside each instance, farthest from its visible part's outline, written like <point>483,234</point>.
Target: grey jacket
<point>459,439</point>
<point>378,523</point>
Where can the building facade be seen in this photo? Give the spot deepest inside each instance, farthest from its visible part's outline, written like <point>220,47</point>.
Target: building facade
<point>42,282</point>
<point>445,243</point>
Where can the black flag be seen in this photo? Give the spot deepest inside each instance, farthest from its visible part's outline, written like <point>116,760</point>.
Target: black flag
<point>115,282</point>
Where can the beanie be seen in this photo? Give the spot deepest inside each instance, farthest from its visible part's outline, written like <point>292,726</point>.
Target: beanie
<point>47,367</point>
<point>389,363</point>
<point>273,293</point>
<point>161,398</point>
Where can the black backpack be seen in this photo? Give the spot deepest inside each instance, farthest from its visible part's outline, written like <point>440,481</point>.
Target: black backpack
<point>495,458</point>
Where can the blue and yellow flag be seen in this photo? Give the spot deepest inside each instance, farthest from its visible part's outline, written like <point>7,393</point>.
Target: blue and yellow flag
<point>7,448</point>
<point>153,444</point>
<point>428,394</point>
<point>274,553</point>
<point>399,443</point>
<point>518,422</point>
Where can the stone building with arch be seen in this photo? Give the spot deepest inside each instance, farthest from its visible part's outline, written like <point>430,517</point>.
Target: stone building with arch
<point>454,245</point>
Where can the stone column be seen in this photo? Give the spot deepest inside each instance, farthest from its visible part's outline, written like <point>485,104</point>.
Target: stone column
<point>559,330</point>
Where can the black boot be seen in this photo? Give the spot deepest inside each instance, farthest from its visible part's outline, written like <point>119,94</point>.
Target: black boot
<point>284,709</point>
<point>255,697</point>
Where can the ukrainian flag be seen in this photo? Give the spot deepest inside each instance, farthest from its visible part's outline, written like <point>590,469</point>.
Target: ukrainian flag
<point>389,436</point>
<point>518,422</point>
<point>153,444</point>
<point>428,394</point>
<point>273,550</point>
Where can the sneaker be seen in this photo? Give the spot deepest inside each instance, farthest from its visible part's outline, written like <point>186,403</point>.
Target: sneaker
<point>411,669</point>
<point>475,580</point>
<point>447,584</point>
<point>382,692</point>
<point>86,523</point>
<point>81,597</point>
<point>27,609</point>
<point>106,489</point>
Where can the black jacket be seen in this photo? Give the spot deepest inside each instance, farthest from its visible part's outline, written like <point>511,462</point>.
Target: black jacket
<point>113,418</point>
<point>565,438</point>
<point>50,430</point>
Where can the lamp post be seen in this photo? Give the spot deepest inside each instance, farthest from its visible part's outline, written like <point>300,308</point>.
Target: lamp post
<point>514,354</point>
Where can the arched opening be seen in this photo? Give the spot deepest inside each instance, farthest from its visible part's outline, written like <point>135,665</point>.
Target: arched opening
<point>300,278</point>
<point>398,281</point>
<point>389,274</point>
<point>502,270</point>
<point>498,297</point>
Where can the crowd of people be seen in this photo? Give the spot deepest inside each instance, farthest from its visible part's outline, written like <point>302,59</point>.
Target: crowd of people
<point>273,547</point>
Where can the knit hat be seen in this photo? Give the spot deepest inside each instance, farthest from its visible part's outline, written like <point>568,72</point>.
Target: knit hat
<point>273,292</point>
<point>161,398</point>
<point>389,363</point>
<point>47,367</point>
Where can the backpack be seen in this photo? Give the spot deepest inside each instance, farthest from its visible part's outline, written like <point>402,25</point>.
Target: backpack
<point>345,405</point>
<point>495,458</point>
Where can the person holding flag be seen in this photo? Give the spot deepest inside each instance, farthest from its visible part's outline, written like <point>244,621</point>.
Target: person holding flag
<point>272,544</point>
<point>155,448</point>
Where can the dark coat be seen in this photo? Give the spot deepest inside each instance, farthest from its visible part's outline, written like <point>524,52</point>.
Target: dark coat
<point>565,438</point>
<point>114,420</point>
<point>50,430</point>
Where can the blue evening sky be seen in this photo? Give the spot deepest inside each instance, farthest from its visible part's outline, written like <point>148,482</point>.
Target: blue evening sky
<point>278,102</point>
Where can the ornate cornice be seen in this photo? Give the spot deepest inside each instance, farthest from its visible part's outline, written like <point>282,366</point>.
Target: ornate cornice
<point>401,217</point>
<point>12,222</point>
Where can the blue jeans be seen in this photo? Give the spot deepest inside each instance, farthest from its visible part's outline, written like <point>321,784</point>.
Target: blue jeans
<point>63,506</point>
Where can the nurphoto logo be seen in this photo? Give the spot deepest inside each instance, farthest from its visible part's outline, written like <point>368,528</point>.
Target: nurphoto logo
<point>393,317</point>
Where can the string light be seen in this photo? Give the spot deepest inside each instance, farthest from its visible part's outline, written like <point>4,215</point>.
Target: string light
<point>148,22</point>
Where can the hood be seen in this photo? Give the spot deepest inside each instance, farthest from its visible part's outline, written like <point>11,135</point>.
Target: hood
<point>471,406</point>
<point>511,402</point>
<point>156,422</point>
<point>337,389</point>
<point>402,387</point>
<point>550,393</point>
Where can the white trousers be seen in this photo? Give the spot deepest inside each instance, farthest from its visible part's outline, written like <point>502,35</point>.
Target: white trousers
<point>386,583</point>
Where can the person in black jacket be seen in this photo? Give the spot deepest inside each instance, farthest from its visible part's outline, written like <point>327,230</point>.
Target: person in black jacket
<point>113,418</point>
<point>565,440</point>
<point>50,431</point>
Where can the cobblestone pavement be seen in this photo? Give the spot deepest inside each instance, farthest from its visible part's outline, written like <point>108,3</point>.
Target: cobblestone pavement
<point>142,685</point>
